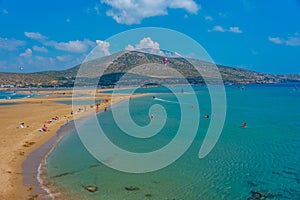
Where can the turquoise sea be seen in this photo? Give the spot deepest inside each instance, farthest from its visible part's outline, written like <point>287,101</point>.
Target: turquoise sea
<point>258,162</point>
<point>6,95</point>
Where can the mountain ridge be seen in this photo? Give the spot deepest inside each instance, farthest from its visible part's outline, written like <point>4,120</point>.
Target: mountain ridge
<point>116,66</point>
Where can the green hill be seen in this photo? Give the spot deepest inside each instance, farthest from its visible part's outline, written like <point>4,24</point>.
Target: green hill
<point>139,67</point>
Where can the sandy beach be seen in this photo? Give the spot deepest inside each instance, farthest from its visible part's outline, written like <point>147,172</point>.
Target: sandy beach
<point>18,143</point>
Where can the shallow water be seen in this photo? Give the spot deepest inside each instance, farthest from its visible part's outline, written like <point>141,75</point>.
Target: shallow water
<point>79,102</point>
<point>8,103</point>
<point>263,157</point>
<point>4,95</point>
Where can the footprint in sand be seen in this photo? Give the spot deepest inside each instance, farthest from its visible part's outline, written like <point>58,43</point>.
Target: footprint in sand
<point>28,144</point>
<point>36,196</point>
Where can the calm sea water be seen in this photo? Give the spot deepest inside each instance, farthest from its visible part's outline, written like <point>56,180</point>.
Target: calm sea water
<point>13,95</point>
<point>264,157</point>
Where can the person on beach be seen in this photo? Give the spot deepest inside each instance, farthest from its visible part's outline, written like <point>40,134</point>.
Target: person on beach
<point>44,128</point>
<point>48,122</point>
<point>22,125</point>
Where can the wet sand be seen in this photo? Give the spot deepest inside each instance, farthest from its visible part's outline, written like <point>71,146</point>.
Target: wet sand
<point>18,143</point>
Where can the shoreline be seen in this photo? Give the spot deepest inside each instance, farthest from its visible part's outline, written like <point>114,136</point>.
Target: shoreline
<point>18,143</point>
<point>32,167</point>
<point>38,157</point>
<point>35,162</point>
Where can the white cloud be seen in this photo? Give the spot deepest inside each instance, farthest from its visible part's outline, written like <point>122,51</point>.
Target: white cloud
<point>208,18</point>
<point>65,58</point>
<point>4,11</point>
<point>134,11</point>
<point>35,35</point>
<point>37,63</point>
<point>276,40</point>
<point>27,53</point>
<point>45,60</point>
<point>40,63</point>
<point>96,9</point>
<point>129,48</point>
<point>146,45</point>
<point>232,29</point>
<point>293,41</point>
<point>188,5</point>
<point>75,46</point>
<point>176,54</point>
<point>218,29</point>
<point>10,44</point>
<point>40,49</point>
<point>103,47</point>
<point>235,29</point>
<point>289,41</point>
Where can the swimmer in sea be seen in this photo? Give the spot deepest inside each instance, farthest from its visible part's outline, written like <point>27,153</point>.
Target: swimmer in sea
<point>244,125</point>
<point>151,116</point>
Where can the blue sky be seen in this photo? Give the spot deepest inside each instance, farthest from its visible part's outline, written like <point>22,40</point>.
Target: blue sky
<point>50,34</point>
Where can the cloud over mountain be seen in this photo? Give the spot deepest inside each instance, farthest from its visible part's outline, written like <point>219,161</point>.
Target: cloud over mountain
<point>134,11</point>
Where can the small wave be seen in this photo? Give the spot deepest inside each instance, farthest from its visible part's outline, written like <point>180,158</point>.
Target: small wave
<point>40,180</point>
<point>163,100</point>
<point>28,96</point>
<point>174,102</point>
